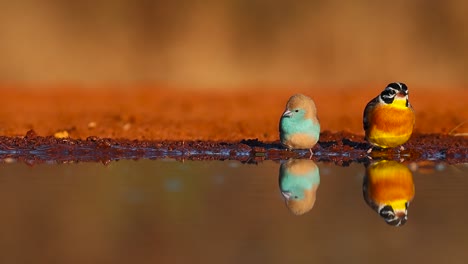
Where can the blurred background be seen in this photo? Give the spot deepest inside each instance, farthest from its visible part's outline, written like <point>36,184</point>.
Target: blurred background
<point>234,43</point>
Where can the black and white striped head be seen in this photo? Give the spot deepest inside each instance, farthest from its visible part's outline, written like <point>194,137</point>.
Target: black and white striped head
<point>394,90</point>
<point>394,217</point>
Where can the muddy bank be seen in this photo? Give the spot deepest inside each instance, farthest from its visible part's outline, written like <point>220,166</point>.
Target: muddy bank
<point>109,123</point>
<point>341,148</point>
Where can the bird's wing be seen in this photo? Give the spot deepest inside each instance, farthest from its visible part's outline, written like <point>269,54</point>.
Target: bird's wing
<point>367,110</point>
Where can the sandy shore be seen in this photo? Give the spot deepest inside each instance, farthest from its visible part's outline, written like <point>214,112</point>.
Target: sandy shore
<point>178,114</point>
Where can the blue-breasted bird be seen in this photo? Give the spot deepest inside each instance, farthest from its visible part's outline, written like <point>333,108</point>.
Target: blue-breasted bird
<point>299,180</point>
<point>389,118</point>
<point>299,126</point>
<point>388,188</point>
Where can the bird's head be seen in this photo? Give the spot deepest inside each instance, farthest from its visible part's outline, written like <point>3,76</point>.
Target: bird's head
<point>395,215</point>
<point>300,203</point>
<point>300,106</point>
<point>395,93</point>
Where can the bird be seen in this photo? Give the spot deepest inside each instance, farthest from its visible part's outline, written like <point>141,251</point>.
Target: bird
<point>299,126</point>
<point>299,180</point>
<point>389,118</point>
<point>388,188</point>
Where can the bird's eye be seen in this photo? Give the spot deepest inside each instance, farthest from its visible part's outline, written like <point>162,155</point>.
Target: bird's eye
<point>404,87</point>
<point>387,212</point>
<point>296,111</point>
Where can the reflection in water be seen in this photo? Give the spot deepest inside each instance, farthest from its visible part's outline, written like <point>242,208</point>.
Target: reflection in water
<point>388,188</point>
<point>163,211</point>
<point>299,180</point>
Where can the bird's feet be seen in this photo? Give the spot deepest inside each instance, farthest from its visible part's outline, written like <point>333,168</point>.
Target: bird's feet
<point>311,153</point>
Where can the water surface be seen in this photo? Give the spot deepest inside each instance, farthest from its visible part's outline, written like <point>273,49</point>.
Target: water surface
<point>167,211</point>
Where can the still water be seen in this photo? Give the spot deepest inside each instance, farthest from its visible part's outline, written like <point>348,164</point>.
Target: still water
<point>293,211</point>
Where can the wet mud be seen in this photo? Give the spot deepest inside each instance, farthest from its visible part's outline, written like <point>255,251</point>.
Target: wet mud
<point>341,148</point>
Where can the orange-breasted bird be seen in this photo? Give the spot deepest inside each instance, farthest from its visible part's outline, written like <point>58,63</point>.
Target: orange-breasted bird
<point>388,188</point>
<point>389,118</point>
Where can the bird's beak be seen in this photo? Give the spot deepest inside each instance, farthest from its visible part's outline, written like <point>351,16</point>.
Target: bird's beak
<point>286,195</point>
<point>287,113</point>
<point>401,94</point>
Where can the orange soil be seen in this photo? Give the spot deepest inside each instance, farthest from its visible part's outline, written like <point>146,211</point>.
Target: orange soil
<point>178,114</point>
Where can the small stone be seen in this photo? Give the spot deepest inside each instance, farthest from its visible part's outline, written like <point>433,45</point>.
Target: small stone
<point>92,138</point>
<point>61,134</point>
<point>413,166</point>
<point>92,125</point>
<point>9,160</point>
<point>31,134</point>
